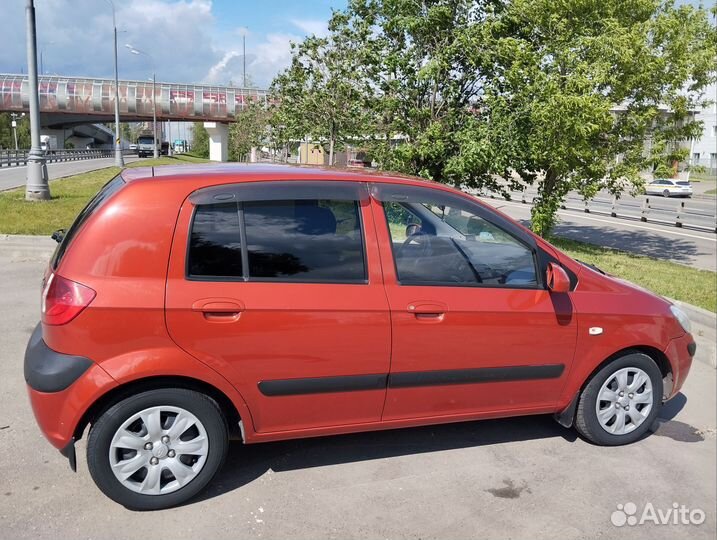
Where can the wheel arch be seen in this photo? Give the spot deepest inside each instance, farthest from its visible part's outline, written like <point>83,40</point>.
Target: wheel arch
<point>118,393</point>
<point>566,416</point>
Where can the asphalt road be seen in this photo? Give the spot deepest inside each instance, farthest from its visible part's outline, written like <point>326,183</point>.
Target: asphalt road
<point>515,478</point>
<point>12,177</point>
<point>683,245</point>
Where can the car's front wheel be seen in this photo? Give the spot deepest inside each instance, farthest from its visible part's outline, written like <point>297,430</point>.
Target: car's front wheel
<point>666,193</point>
<point>621,401</point>
<point>158,448</point>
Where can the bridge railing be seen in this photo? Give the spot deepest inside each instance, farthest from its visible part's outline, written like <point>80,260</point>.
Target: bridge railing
<point>13,158</point>
<point>696,213</point>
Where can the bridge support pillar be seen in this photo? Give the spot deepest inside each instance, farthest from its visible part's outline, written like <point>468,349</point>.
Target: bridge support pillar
<point>218,140</point>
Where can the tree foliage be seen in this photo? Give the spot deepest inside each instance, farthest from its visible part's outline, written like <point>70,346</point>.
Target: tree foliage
<point>248,131</point>
<point>596,91</point>
<point>565,95</point>
<point>7,139</point>
<point>322,94</point>
<point>200,140</point>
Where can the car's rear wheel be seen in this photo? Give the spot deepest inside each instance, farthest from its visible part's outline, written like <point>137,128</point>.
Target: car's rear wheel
<point>621,401</point>
<point>666,193</point>
<point>157,449</point>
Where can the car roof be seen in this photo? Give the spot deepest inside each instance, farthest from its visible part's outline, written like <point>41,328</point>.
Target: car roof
<point>218,173</point>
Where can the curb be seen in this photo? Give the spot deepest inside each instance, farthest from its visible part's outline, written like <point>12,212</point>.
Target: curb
<point>697,314</point>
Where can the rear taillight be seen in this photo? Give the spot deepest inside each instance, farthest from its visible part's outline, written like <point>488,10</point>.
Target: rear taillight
<point>63,300</point>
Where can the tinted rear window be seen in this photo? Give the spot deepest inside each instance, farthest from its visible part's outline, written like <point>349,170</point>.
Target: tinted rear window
<point>215,243</point>
<point>307,240</point>
<point>109,189</point>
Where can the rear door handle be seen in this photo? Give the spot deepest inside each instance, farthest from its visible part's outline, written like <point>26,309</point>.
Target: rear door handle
<point>219,309</point>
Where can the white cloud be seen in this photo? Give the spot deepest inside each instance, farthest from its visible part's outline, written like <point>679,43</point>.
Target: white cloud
<point>182,37</point>
<point>311,26</point>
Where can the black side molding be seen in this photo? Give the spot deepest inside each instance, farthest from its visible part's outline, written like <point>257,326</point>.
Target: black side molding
<point>409,379</point>
<point>478,375</point>
<point>50,371</point>
<point>322,385</point>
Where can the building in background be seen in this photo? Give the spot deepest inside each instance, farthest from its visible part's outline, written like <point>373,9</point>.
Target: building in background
<point>703,151</point>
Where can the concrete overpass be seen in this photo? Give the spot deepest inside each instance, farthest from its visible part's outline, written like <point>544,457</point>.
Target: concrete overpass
<point>70,101</point>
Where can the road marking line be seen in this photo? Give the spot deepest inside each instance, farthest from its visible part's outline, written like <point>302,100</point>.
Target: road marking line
<point>613,222</point>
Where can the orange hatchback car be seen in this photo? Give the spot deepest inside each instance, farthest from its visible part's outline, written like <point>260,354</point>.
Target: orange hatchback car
<point>187,306</point>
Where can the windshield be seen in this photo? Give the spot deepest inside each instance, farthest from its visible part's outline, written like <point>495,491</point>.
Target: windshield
<point>145,140</point>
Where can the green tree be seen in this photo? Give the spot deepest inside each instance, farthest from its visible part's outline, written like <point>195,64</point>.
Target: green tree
<point>424,79</point>
<point>7,139</point>
<point>200,140</point>
<point>248,131</point>
<point>575,94</point>
<point>322,94</point>
<point>591,92</point>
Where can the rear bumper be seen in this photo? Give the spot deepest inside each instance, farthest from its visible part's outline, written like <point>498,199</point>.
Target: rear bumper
<point>61,388</point>
<point>680,352</point>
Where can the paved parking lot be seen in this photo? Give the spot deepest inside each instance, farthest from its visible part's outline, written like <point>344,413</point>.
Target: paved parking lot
<point>516,478</point>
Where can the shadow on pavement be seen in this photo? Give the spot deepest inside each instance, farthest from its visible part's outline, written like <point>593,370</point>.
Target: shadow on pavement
<point>247,463</point>
<point>673,407</point>
<point>632,241</point>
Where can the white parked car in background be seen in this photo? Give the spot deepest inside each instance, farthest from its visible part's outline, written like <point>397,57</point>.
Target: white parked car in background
<point>669,188</point>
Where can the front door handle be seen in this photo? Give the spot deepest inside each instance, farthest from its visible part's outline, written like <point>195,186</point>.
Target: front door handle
<point>428,311</point>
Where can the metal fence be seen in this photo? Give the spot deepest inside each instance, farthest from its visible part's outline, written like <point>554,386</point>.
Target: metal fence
<point>696,213</point>
<point>12,158</point>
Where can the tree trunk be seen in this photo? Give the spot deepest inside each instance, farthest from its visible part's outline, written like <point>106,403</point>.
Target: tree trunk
<point>331,151</point>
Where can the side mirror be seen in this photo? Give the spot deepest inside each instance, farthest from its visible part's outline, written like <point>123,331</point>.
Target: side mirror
<point>557,279</point>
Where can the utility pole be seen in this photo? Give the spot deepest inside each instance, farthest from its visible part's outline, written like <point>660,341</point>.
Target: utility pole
<point>154,114</point>
<point>169,137</point>
<point>134,50</point>
<point>243,57</point>
<point>119,160</point>
<point>37,187</point>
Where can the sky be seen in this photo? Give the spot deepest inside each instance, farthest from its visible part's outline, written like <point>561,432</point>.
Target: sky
<point>188,41</point>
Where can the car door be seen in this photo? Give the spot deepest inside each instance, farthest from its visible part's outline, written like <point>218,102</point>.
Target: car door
<point>278,287</point>
<point>474,329</point>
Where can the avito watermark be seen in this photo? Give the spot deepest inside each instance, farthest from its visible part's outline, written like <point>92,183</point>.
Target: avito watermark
<point>677,514</point>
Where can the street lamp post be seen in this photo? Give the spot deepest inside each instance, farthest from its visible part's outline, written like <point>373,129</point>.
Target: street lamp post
<point>134,50</point>
<point>14,117</point>
<point>119,160</point>
<point>37,187</point>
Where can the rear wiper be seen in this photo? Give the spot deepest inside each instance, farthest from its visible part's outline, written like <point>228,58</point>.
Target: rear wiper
<point>58,236</point>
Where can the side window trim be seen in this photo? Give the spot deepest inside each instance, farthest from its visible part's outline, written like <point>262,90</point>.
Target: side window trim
<point>243,242</point>
<point>382,192</point>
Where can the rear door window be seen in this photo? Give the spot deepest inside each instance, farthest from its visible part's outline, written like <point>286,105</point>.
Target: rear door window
<point>306,240</point>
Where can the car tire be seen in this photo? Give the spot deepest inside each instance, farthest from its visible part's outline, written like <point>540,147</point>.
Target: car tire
<point>666,193</point>
<point>172,465</point>
<point>598,417</point>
